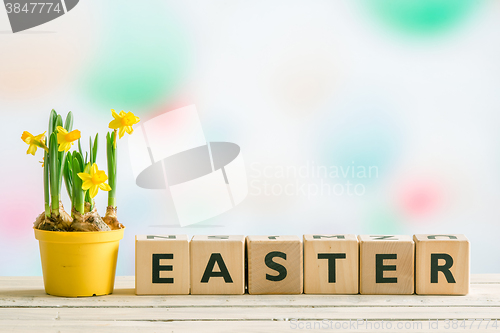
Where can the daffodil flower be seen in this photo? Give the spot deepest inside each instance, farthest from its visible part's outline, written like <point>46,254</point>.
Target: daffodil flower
<point>123,122</point>
<point>94,181</point>
<point>66,139</point>
<point>34,142</point>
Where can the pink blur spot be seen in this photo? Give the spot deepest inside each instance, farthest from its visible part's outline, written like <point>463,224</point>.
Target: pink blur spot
<point>19,211</point>
<point>420,198</point>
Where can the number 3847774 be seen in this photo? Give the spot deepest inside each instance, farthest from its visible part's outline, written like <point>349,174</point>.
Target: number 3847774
<point>32,7</point>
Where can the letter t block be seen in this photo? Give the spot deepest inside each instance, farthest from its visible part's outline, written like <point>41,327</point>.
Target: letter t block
<point>386,264</point>
<point>442,264</point>
<point>331,264</point>
<point>161,265</point>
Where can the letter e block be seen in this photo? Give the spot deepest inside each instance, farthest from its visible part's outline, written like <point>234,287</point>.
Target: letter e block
<point>331,264</point>
<point>442,264</point>
<point>386,264</point>
<point>161,265</point>
<point>218,265</point>
<point>274,265</point>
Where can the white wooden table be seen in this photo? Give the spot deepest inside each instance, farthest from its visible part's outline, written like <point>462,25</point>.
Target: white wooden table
<point>24,307</point>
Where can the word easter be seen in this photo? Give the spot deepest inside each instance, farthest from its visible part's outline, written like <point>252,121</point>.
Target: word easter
<point>321,264</point>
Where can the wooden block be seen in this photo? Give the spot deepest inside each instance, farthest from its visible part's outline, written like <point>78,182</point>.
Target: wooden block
<point>161,265</point>
<point>442,264</point>
<point>386,264</point>
<point>274,265</point>
<point>331,264</point>
<point>218,265</point>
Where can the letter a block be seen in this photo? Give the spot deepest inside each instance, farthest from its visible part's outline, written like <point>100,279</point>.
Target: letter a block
<point>218,265</point>
<point>274,265</point>
<point>386,264</point>
<point>161,265</point>
<point>442,264</point>
<point>331,264</point>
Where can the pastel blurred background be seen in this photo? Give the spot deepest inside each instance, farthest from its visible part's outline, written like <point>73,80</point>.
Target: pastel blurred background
<point>408,88</point>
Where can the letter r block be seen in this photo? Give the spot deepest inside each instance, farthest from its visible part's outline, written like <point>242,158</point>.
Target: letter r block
<point>331,264</point>
<point>161,265</point>
<point>218,265</point>
<point>274,265</point>
<point>386,264</point>
<point>442,264</point>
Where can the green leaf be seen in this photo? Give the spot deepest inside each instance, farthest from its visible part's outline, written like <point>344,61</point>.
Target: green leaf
<point>111,159</point>
<point>78,193</point>
<point>94,151</point>
<point>46,181</point>
<point>62,165</point>
<point>80,147</point>
<point>68,176</point>
<point>91,153</point>
<point>79,157</point>
<point>54,173</point>
<point>59,121</point>
<point>68,124</point>
<point>87,168</point>
<point>52,121</point>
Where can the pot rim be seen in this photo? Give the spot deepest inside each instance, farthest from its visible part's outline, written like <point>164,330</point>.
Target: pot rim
<point>78,236</point>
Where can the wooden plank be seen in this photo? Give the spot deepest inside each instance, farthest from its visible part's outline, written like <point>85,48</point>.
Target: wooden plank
<point>26,292</point>
<point>24,307</point>
<point>248,313</point>
<point>480,295</point>
<point>476,300</point>
<point>484,278</point>
<point>226,326</point>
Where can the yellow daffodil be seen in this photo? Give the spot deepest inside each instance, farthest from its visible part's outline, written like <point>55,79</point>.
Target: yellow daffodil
<point>123,122</point>
<point>94,181</point>
<point>66,139</point>
<point>34,142</point>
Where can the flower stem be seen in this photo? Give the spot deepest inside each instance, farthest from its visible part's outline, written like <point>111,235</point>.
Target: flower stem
<point>68,125</point>
<point>46,191</point>
<point>68,176</point>
<point>54,174</point>
<point>78,193</point>
<point>111,159</point>
<point>46,170</point>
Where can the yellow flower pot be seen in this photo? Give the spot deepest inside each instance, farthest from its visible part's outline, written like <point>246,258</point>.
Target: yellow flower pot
<point>79,263</point>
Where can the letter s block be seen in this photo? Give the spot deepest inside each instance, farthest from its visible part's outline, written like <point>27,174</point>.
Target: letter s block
<point>386,264</point>
<point>161,265</point>
<point>274,265</point>
<point>218,265</point>
<point>442,264</point>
